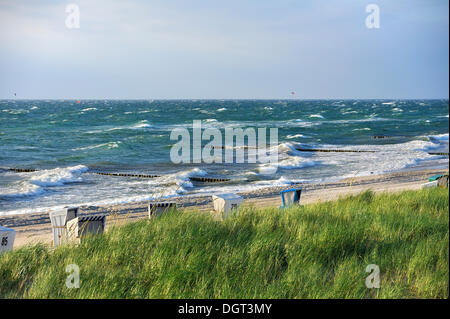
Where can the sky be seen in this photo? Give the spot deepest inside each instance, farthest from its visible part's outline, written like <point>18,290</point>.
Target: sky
<point>224,49</point>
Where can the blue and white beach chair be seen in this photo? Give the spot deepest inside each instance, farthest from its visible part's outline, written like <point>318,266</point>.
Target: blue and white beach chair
<point>291,197</point>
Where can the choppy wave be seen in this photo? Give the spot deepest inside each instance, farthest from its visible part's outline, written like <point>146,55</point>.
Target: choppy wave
<point>295,136</point>
<point>440,138</point>
<point>21,189</point>
<point>103,145</point>
<point>178,182</point>
<point>288,157</point>
<point>57,176</point>
<point>141,124</point>
<point>35,183</point>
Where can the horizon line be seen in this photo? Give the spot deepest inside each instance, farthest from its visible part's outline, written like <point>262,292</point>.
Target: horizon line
<point>214,99</point>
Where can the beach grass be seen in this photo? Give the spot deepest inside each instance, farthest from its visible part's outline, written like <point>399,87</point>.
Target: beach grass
<point>315,251</point>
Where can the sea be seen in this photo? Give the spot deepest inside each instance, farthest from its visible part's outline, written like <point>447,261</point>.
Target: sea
<point>67,142</point>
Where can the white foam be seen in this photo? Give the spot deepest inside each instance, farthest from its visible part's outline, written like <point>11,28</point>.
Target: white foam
<point>16,112</point>
<point>168,193</point>
<point>206,112</point>
<point>21,189</point>
<point>288,158</point>
<point>441,138</point>
<point>386,158</point>
<point>107,145</point>
<point>141,124</point>
<point>362,129</point>
<point>58,176</point>
<point>294,136</point>
<point>282,181</point>
<point>181,179</point>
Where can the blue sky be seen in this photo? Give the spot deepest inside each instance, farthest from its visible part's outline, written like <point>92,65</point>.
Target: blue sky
<point>173,49</point>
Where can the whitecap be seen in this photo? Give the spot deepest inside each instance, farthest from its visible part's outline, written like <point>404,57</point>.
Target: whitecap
<point>58,176</point>
<point>141,124</point>
<point>206,112</point>
<point>294,136</point>
<point>21,189</point>
<point>362,129</point>
<point>109,145</point>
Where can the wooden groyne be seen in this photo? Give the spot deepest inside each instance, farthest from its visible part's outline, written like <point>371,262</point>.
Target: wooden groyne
<point>208,179</point>
<point>352,151</point>
<point>193,178</point>
<point>21,170</point>
<point>126,175</point>
<point>435,153</point>
<point>332,150</point>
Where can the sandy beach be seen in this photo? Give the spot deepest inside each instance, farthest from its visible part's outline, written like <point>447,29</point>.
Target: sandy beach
<point>36,227</point>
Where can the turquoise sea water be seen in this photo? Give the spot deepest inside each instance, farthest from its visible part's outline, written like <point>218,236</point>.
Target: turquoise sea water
<point>69,140</point>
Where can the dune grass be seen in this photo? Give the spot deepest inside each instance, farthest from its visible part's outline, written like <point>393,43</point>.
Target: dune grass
<point>315,251</point>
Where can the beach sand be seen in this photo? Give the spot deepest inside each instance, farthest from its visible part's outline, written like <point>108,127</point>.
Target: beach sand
<point>35,227</point>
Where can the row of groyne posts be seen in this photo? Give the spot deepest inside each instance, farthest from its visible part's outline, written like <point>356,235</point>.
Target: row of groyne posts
<point>192,178</point>
<point>213,180</point>
<point>209,179</point>
<point>68,226</point>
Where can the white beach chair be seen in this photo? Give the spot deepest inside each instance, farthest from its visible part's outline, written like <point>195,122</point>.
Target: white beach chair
<point>81,226</point>
<point>430,184</point>
<point>7,236</point>
<point>59,221</point>
<point>155,209</point>
<point>226,203</point>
